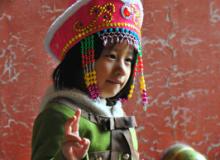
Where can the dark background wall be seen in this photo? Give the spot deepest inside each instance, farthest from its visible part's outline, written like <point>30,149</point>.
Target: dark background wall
<point>181,41</point>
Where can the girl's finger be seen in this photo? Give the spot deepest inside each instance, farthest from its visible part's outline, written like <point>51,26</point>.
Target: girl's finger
<point>73,137</point>
<point>77,149</point>
<point>75,124</point>
<point>68,125</point>
<point>71,144</point>
<point>85,144</point>
<point>69,148</point>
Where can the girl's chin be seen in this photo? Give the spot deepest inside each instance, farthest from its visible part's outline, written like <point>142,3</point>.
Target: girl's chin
<point>109,91</point>
<point>108,95</point>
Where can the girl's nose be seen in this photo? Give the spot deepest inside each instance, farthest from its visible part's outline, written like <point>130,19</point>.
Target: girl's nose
<point>120,68</point>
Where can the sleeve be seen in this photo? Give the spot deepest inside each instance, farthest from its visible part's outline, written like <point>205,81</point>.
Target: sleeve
<point>48,134</point>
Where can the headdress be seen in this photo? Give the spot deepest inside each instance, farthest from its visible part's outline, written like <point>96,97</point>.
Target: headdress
<point>113,21</point>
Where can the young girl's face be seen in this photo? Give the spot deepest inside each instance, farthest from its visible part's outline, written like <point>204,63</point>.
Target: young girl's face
<point>113,69</point>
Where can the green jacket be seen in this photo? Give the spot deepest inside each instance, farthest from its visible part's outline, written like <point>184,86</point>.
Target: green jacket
<point>48,131</point>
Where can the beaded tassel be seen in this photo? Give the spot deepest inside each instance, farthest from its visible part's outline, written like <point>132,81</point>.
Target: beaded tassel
<point>131,90</point>
<point>142,84</point>
<point>139,71</point>
<point>132,85</point>
<point>88,64</point>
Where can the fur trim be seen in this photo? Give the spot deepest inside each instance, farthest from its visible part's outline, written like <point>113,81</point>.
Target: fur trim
<point>97,107</point>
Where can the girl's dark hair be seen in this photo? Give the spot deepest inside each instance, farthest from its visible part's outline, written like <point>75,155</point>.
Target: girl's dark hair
<point>69,73</point>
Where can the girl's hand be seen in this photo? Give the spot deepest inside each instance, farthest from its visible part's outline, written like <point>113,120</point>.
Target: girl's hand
<point>75,147</point>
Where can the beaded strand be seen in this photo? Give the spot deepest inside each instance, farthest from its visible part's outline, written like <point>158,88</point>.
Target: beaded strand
<point>88,64</point>
<point>142,83</point>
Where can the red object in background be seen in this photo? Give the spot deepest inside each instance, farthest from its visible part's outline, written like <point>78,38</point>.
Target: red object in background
<point>181,41</point>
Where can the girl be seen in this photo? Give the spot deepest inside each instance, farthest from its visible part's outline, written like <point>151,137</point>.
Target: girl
<point>98,43</point>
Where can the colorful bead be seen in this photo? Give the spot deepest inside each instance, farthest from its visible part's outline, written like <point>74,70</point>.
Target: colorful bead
<point>139,69</point>
<point>126,11</point>
<point>121,34</point>
<point>88,63</point>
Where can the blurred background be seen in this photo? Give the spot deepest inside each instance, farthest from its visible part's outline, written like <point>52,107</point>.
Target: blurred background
<point>181,41</point>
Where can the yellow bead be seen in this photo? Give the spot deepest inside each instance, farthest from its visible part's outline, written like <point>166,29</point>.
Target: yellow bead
<point>129,96</point>
<point>142,87</point>
<point>141,83</point>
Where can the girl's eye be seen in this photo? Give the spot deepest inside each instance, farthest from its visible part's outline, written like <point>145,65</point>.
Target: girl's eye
<point>129,59</point>
<point>111,56</point>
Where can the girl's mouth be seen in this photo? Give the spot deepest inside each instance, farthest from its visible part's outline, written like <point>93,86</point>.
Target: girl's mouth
<point>114,82</point>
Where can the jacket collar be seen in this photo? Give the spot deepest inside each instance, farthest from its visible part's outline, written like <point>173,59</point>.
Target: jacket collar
<point>98,107</point>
